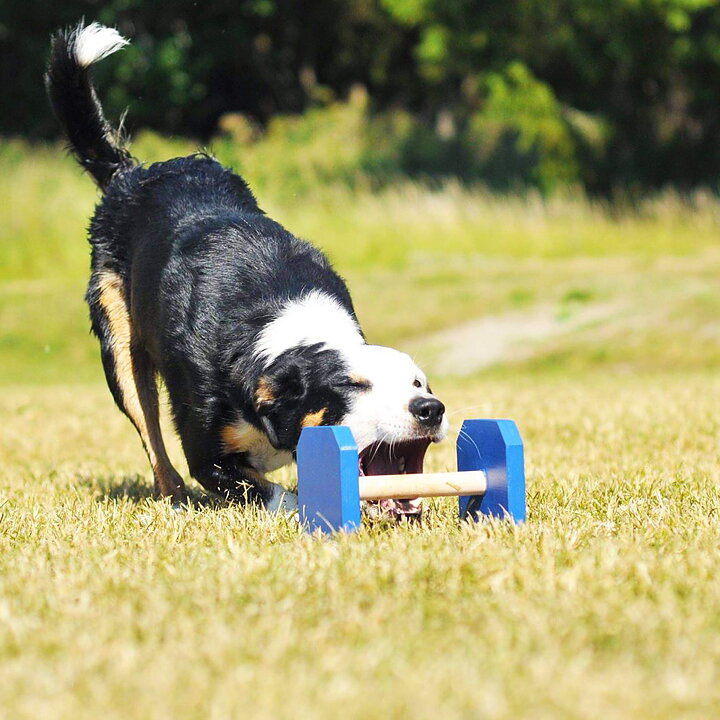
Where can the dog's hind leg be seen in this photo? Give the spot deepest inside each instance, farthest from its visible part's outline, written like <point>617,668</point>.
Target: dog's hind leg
<point>130,375</point>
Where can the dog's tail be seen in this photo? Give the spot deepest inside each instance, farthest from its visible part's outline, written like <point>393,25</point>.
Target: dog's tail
<point>97,147</point>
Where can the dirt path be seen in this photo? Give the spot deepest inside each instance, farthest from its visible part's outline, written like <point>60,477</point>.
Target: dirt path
<point>466,348</point>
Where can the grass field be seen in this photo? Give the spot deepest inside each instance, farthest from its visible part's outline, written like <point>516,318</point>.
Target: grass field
<point>605,604</point>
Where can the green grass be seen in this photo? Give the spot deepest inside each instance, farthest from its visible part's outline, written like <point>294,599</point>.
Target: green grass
<point>663,314</point>
<point>417,261</point>
<point>605,604</point>
<point>48,202</point>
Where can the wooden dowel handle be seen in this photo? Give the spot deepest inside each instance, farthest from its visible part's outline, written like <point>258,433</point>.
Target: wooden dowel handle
<point>447,484</point>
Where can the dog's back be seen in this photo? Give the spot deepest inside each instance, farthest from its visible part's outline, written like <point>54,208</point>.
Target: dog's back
<point>168,228</point>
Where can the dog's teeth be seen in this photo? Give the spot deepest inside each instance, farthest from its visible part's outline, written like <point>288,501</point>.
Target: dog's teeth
<point>401,465</point>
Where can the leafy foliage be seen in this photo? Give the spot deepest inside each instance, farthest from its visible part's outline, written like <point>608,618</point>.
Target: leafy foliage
<point>538,92</point>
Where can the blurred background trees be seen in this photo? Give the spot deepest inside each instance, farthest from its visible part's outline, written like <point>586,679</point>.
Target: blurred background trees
<point>543,93</point>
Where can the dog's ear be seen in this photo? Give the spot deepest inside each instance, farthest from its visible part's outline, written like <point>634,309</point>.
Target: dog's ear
<point>280,395</point>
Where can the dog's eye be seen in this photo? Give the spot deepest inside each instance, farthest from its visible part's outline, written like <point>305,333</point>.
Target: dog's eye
<point>417,383</point>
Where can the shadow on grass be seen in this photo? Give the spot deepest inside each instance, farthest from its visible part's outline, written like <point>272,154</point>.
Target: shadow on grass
<point>137,489</point>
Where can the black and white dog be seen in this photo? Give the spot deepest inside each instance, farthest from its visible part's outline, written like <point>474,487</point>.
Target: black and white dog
<point>253,333</point>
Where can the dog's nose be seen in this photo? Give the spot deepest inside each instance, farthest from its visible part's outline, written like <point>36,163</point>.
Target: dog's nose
<point>427,410</point>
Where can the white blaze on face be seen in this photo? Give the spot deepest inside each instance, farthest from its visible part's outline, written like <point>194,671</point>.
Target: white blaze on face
<point>382,413</point>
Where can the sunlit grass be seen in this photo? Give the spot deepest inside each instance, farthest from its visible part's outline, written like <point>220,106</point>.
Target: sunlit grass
<point>664,314</point>
<point>417,260</point>
<point>47,203</point>
<point>605,604</point>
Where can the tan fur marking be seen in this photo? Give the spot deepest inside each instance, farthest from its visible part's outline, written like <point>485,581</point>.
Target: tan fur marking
<point>264,393</point>
<point>314,418</point>
<point>241,437</point>
<point>360,380</point>
<point>139,393</point>
<point>112,299</point>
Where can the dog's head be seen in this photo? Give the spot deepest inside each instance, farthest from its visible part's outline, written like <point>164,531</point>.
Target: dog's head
<point>319,370</point>
<point>378,392</point>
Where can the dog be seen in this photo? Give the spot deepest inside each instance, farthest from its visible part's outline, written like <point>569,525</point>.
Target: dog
<point>249,327</point>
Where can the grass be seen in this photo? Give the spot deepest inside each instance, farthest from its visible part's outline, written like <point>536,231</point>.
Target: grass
<point>437,257</point>
<point>662,314</point>
<point>49,201</point>
<point>605,604</point>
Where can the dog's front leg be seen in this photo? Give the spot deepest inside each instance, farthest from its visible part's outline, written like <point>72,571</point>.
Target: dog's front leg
<point>219,469</point>
<point>231,477</point>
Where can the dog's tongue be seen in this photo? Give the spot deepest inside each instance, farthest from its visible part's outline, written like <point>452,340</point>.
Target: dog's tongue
<point>397,510</point>
<point>410,509</point>
<point>406,458</point>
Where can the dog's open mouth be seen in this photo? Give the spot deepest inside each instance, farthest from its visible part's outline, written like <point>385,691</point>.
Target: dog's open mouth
<point>397,458</point>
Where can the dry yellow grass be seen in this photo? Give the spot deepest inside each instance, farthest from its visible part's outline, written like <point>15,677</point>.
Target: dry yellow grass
<point>604,605</point>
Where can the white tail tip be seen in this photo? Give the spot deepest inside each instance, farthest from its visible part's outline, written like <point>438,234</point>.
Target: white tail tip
<point>96,42</point>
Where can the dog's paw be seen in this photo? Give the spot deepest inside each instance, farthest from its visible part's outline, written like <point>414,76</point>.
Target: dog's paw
<point>281,500</point>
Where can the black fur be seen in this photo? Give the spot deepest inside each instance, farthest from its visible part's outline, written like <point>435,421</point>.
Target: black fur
<point>305,380</point>
<point>72,95</point>
<point>203,271</point>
